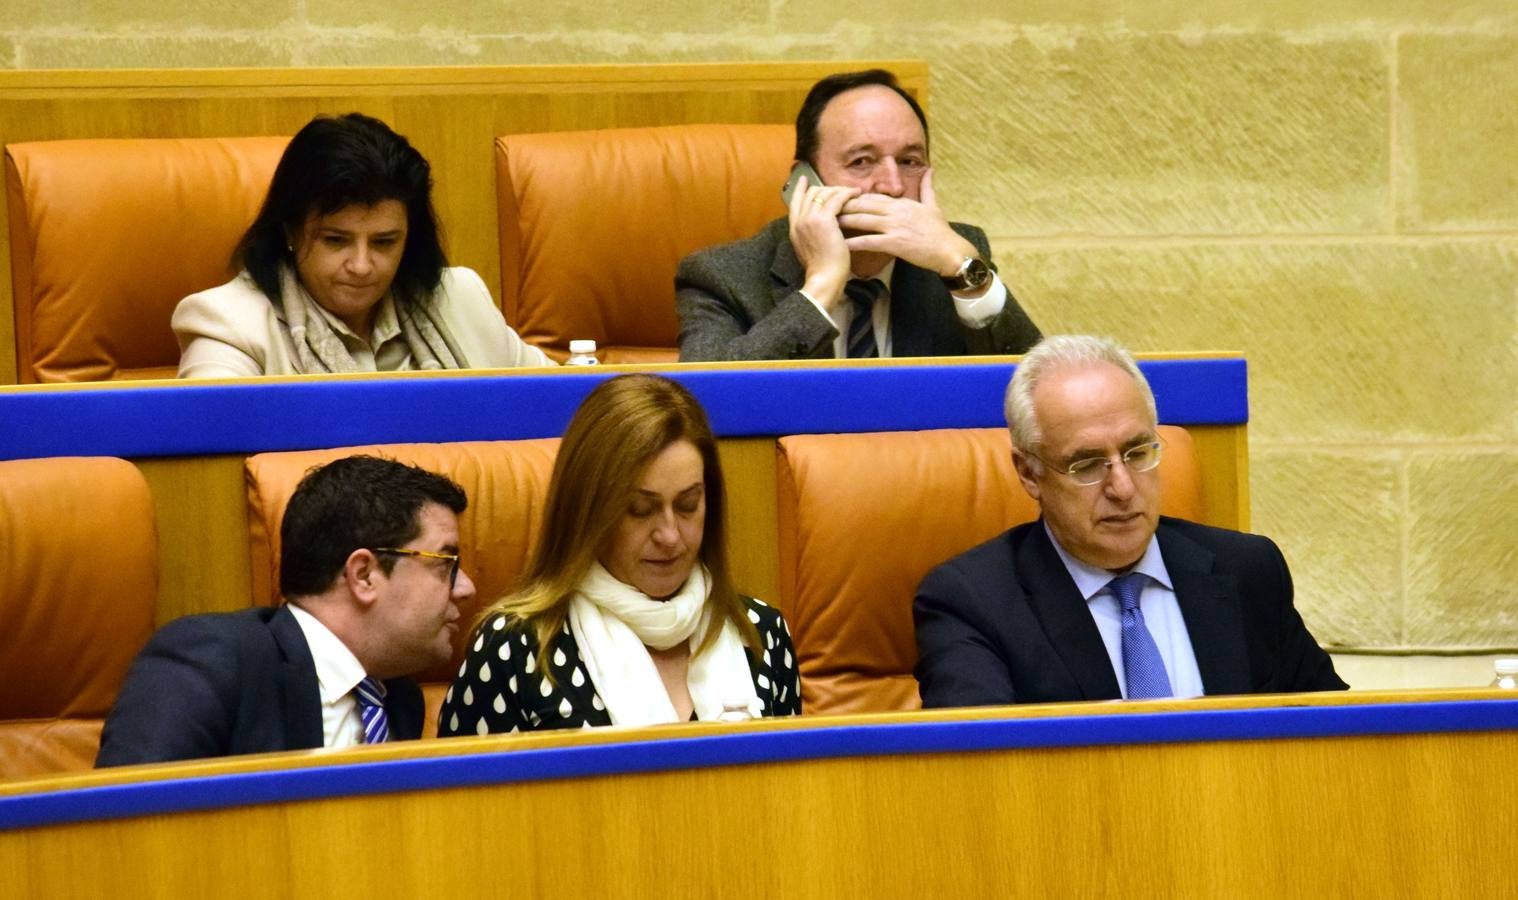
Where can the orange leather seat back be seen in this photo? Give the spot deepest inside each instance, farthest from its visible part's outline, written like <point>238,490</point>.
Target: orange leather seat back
<point>108,235</point>
<point>78,587</point>
<point>864,517</point>
<point>594,223</point>
<point>507,485</point>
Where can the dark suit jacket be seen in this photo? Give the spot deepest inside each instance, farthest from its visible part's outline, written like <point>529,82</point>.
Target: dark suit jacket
<point>742,301</point>
<point>223,684</point>
<point>1004,623</point>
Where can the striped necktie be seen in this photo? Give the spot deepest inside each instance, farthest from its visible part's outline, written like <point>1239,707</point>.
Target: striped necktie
<point>862,293</point>
<point>1143,668</point>
<point>371,708</point>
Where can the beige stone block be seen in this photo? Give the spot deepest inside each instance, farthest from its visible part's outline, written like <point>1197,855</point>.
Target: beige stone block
<point>442,47</point>
<point>1162,134</point>
<point>153,52</point>
<point>1457,131</point>
<point>1162,14</point>
<point>1347,342</point>
<point>1337,518</point>
<point>1463,548</point>
<point>515,17</point>
<point>103,16</point>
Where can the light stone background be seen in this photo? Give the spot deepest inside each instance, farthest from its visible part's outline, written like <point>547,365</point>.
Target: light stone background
<point>1329,186</point>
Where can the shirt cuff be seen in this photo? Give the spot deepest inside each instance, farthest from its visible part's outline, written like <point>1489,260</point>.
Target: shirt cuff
<point>977,311</point>
<point>830,318</point>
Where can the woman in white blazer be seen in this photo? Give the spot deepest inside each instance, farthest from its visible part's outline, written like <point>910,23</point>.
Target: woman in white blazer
<point>343,271</point>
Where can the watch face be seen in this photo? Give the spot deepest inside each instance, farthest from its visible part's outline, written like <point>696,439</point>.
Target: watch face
<point>977,273</point>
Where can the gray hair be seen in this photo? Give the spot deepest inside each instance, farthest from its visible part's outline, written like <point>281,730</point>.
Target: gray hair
<point>1059,352</point>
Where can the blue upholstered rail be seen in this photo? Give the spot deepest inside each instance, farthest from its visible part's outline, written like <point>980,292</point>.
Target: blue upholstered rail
<point>829,741</point>
<point>250,417</point>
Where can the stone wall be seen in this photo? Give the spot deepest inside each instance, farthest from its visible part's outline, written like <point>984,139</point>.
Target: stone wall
<point>1329,187</point>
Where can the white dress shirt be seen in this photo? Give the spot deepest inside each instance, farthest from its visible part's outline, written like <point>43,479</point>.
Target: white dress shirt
<point>338,672</point>
<point>1162,615</point>
<point>973,311</point>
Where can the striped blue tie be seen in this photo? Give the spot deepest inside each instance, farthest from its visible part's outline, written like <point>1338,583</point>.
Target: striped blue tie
<point>1143,668</point>
<point>862,293</point>
<point>371,708</point>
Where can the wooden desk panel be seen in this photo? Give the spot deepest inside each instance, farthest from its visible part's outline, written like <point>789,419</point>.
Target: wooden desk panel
<point>1318,795</point>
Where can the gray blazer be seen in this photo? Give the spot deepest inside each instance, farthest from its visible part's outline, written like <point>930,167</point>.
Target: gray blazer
<point>742,301</point>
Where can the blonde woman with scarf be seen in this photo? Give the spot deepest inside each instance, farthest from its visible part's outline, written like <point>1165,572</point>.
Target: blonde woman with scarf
<point>626,615</point>
<point>343,271</point>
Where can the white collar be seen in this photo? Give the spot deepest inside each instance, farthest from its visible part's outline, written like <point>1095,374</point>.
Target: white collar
<point>338,671</point>
<point>1090,580</point>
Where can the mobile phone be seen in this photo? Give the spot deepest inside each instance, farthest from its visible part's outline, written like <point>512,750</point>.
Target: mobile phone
<point>798,170</point>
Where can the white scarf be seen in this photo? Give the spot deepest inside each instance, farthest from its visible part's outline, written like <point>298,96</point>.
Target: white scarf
<point>615,625</point>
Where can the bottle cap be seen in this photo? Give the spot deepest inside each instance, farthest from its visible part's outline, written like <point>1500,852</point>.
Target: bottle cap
<point>583,345</point>
<point>1506,665</point>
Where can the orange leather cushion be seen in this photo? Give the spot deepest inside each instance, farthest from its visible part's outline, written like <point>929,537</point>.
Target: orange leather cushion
<point>864,517</point>
<point>35,748</point>
<point>594,223</point>
<point>78,583</point>
<point>108,235</point>
<point>506,482</point>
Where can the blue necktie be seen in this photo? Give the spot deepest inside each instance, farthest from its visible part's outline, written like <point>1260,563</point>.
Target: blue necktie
<point>371,708</point>
<point>862,293</point>
<point>1142,667</point>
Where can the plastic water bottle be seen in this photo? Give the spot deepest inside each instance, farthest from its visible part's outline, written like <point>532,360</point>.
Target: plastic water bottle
<point>735,711</point>
<point>582,353</point>
<point>1507,673</point>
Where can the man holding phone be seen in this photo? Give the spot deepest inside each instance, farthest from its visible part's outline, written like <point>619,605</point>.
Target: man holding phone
<point>865,264</point>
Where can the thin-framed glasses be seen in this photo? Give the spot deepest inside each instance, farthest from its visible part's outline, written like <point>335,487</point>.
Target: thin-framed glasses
<point>452,558</point>
<point>1095,469</point>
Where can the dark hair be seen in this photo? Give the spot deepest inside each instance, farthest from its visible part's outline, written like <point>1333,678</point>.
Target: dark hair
<point>336,162</point>
<point>350,504</point>
<point>823,92</point>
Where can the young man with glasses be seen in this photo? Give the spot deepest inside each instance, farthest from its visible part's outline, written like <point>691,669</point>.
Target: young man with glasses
<point>369,567</point>
<point>1102,598</point>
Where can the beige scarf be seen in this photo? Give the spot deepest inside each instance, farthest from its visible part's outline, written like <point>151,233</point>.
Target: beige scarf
<point>615,624</point>
<point>318,348</point>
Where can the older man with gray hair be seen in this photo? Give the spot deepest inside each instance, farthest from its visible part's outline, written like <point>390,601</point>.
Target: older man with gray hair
<point>1102,597</point>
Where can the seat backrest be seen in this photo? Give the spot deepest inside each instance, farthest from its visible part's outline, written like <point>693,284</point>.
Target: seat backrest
<point>507,485</point>
<point>594,223</point>
<point>864,517</point>
<point>78,585</point>
<point>108,235</point>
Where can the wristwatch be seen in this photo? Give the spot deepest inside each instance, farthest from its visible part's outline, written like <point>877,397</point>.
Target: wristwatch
<point>972,275</point>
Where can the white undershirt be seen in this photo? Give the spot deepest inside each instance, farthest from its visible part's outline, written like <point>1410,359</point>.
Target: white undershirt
<point>1162,615</point>
<point>338,672</point>
<point>973,311</point>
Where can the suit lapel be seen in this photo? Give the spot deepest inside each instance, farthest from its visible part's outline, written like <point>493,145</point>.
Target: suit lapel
<point>786,271</point>
<point>405,707</point>
<point>303,704</point>
<point>1065,617</point>
<point>1210,604</point>
<point>911,326</point>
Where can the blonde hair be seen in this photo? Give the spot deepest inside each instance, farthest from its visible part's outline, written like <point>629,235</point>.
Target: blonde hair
<point>617,431</point>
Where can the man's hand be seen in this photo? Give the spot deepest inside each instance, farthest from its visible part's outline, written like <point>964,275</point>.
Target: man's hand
<point>819,242</point>
<point>906,229</point>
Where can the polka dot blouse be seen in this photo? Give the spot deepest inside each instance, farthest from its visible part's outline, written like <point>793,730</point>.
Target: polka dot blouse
<point>500,687</point>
